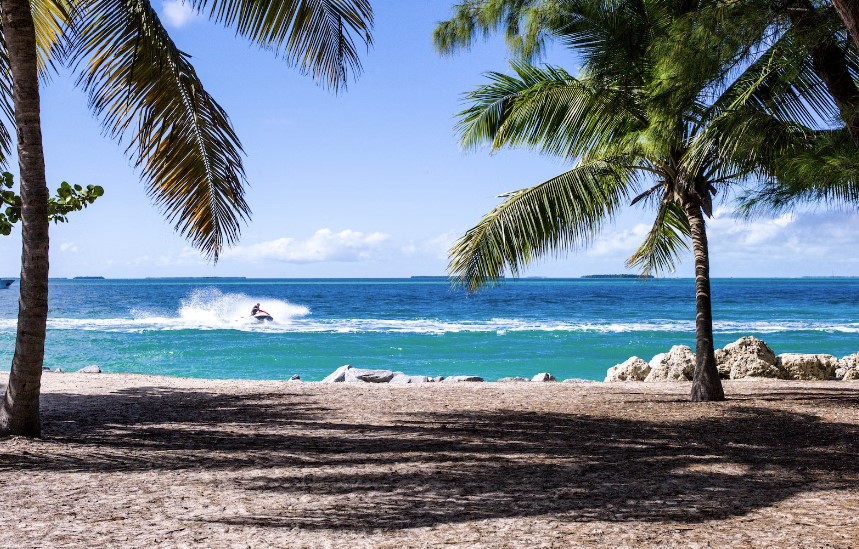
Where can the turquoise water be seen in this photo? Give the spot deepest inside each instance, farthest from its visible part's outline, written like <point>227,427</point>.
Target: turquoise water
<point>569,327</point>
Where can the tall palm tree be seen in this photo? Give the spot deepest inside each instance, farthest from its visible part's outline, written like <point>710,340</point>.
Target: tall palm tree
<point>148,96</point>
<point>643,123</point>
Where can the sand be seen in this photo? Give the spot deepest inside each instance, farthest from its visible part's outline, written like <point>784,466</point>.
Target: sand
<point>140,461</point>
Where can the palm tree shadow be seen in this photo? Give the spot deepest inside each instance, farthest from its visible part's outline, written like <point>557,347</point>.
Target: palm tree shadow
<point>366,473</point>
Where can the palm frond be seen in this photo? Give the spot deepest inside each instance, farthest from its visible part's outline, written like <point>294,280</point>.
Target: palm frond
<point>556,216</point>
<point>7,108</point>
<point>525,24</point>
<point>548,109</point>
<point>667,239</point>
<point>318,36</point>
<point>822,170</point>
<point>783,83</point>
<point>51,19</point>
<point>146,92</point>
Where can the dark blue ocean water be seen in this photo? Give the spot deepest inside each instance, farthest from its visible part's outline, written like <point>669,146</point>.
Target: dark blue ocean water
<point>569,327</point>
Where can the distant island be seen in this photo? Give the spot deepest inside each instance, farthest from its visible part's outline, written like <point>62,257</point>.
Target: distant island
<point>196,277</point>
<point>89,278</point>
<point>619,276</point>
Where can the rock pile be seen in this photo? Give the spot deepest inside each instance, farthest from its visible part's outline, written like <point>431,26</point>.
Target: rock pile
<point>350,374</point>
<point>633,369</point>
<point>748,357</point>
<point>678,364</point>
<point>848,368</point>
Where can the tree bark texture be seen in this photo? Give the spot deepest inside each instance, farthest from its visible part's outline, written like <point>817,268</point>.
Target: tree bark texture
<point>19,414</point>
<point>706,385</point>
<point>848,10</point>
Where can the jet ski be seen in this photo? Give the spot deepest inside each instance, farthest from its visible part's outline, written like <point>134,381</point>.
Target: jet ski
<point>262,317</point>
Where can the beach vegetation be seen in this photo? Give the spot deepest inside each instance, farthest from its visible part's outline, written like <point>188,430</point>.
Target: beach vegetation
<point>149,98</point>
<point>69,198</point>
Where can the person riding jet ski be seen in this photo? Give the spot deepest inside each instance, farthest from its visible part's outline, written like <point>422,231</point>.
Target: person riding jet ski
<point>260,314</point>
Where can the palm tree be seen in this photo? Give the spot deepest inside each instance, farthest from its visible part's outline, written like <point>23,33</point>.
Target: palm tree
<point>148,96</point>
<point>645,122</point>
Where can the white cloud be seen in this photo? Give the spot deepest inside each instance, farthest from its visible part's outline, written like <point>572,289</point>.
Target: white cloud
<point>792,244</point>
<point>622,243</point>
<point>749,233</point>
<point>819,239</point>
<point>68,247</point>
<point>324,245</point>
<point>178,13</point>
<point>437,247</point>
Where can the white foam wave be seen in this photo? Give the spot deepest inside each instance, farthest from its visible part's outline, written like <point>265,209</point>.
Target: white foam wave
<point>230,311</point>
<point>203,309</point>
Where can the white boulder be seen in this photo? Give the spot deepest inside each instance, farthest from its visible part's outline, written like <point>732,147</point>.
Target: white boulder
<point>678,364</point>
<point>91,369</point>
<point>748,357</point>
<point>545,376</point>
<point>847,364</point>
<point>461,379</point>
<point>851,375</point>
<point>513,379</point>
<point>401,379</point>
<point>338,375</point>
<point>632,369</point>
<point>808,367</point>
<point>354,375</point>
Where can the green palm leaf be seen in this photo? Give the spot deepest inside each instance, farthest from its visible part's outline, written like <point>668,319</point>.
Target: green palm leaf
<point>319,36</point>
<point>667,239</point>
<point>548,109</point>
<point>561,214</point>
<point>146,92</point>
<point>49,18</point>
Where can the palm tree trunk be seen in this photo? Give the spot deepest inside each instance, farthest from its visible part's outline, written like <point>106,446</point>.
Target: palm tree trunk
<point>19,414</point>
<point>706,384</point>
<point>849,12</point>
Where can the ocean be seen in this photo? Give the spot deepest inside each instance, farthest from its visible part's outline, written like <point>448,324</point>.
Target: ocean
<point>572,328</point>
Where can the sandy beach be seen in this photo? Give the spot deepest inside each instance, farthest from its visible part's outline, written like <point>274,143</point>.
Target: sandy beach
<point>136,461</point>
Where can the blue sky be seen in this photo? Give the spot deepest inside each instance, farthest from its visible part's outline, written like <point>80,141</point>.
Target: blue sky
<point>369,183</point>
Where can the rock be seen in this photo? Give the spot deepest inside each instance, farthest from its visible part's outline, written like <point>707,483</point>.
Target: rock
<point>632,369</point>
<point>295,377</point>
<point>400,378</point>
<point>338,375</point>
<point>748,357</point>
<point>45,369</point>
<point>58,371</point>
<point>849,362</point>
<point>545,376</point>
<point>437,379</point>
<point>91,369</point>
<point>678,364</point>
<point>461,379</point>
<point>354,375</point>
<point>851,374</point>
<point>513,379</point>
<point>808,367</point>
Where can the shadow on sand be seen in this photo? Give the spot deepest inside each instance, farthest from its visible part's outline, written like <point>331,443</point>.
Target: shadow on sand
<point>404,471</point>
